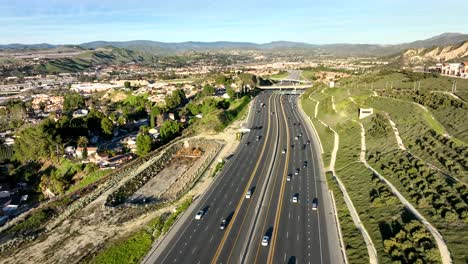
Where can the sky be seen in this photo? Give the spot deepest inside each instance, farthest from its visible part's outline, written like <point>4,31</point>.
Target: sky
<point>260,21</point>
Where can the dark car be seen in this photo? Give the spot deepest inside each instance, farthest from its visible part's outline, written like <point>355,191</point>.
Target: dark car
<point>223,224</point>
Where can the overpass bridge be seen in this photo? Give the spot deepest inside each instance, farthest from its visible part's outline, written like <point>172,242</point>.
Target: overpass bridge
<point>284,87</point>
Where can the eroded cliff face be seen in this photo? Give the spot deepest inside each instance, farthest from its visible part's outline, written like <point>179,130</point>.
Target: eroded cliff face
<point>436,54</point>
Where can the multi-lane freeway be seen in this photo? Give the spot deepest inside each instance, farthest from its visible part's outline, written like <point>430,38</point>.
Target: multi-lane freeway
<point>287,216</point>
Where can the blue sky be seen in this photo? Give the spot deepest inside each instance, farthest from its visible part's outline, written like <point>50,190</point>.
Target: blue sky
<point>311,21</point>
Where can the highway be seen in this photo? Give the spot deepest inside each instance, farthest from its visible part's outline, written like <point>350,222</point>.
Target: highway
<point>298,234</point>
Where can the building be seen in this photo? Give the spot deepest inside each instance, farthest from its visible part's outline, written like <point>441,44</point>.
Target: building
<point>464,73</point>
<point>93,87</point>
<point>365,112</point>
<point>452,69</point>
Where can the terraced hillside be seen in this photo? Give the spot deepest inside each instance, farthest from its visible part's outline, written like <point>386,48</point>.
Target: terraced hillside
<point>416,141</point>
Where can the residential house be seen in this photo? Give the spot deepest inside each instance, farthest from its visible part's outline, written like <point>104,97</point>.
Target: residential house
<point>464,73</point>
<point>452,69</point>
<point>90,150</point>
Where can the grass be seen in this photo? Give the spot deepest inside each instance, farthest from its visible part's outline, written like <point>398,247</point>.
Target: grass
<point>133,248</point>
<point>88,179</point>
<point>218,168</point>
<point>325,134</point>
<point>280,75</point>
<point>33,222</point>
<point>308,75</point>
<point>356,250</point>
<point>219,119</point>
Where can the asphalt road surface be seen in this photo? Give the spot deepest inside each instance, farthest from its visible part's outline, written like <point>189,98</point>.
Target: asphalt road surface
<point>297,233</point>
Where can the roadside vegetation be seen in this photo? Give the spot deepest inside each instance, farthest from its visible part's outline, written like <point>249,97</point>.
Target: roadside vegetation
<point>134,247</point>
<point>355,246</point>
<point>280,75</point>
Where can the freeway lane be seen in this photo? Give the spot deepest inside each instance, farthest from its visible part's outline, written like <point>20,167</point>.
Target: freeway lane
<point>295,229</point>
<point>301,236</point>
<point>196,241</point>
<point>297,233</point>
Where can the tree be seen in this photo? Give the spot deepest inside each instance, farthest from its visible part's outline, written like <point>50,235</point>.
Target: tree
<point>83,142</point>
<point>144,144</point>
<point>127,85</point>
<point>73,101</point>
<point>208,90</point>
<point>155,111</point>
<point>175,99</point>
<point>230,92</point>
<point>169,130</point>
<point>37,142</point>
<point>107,126</point>
<point>221,79</point>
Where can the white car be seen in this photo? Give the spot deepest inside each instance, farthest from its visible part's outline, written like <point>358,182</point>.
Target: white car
<point>199,215</point>
<point>248,194</point>
<point>288,178</point>
<point>294,199</point>
<point>283,151</point>
<point>265,240</point>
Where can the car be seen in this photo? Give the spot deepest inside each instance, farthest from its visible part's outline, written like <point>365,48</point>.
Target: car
<point>314,204</point>
<point>297,171</point>
<point>295,198</point>
<point>272,113</point>
<point>265,240</point>
<point>248,194</point>
<point>199,215</point>
<point>304,146</point>
<point>308,142</point>
<point>292,146</point>
<point>258,111</point>
<point>258,138</point>
<point>289,177</point>
<point>300,134</point>
<point>247,143</point>
<point>296,138</point>
<point>223,224</point>
<point>283,151</point>
<point>304,164</point>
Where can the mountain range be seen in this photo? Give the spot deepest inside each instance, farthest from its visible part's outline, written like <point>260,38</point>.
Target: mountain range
<point>339,49</point>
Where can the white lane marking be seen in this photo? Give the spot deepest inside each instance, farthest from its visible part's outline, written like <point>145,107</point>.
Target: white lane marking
<point>211,239</point>
<point>297,237</point>
<point>193,251</point>
<point>287,235</point>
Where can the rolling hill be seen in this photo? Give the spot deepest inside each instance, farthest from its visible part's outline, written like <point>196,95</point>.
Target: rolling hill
<point>340,49</point>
